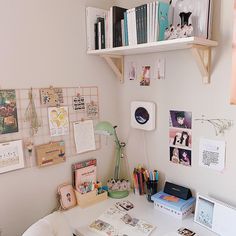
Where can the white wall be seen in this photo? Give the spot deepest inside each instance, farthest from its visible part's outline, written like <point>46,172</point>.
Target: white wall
<point>42,43</point>
<point>183,90</point>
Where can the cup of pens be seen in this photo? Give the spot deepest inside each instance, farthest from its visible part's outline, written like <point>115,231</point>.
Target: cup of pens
<point>151,183</point>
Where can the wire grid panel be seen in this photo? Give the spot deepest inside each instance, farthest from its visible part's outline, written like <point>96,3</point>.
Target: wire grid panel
<point>90,96</point>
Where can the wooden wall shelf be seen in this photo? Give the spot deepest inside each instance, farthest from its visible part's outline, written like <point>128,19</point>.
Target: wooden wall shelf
<point>201,50</point>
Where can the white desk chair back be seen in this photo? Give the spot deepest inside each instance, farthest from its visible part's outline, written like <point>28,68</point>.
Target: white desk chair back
<point>52,225</point>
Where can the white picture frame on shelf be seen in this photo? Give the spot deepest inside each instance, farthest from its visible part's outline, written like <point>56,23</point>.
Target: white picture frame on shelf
<point>215,215</point>
<point>11,156</point>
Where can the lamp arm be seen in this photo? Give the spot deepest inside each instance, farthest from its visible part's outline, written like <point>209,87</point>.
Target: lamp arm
<point>119,147</point>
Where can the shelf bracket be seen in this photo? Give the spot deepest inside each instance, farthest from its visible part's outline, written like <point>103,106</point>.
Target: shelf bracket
<point>116,63</point>
<point>202,55</point>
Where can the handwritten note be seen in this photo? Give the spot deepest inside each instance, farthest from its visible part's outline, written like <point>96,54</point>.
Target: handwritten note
<point>84,136</point>
<point>212,154</point>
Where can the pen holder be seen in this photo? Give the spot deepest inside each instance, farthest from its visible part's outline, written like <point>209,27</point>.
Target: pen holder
<point>151,188</point>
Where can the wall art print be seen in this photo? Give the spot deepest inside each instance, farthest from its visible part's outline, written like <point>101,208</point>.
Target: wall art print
<point>8,112</point>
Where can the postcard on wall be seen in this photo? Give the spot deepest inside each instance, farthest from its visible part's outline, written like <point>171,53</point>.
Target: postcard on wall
<point>180,137</point>
<point>51,96</point>
<point>92,109</point>
<point>8,112</point>
<point>160,68</point>
<point>132,70</point>
<point>181,119</point>
<point>212,154</point>
<point>78,103</point>
<point>145,77</point>
<point>50,153</point>
<point>181,156</point>
<point>11,156</point>
<point>84,136</point>
<point>58,121</point>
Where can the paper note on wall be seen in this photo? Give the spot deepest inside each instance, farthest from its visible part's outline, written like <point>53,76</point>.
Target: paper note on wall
<point>212,154</point>
<point>84,136</point>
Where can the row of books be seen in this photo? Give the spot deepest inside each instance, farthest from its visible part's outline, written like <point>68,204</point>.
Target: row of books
<point>122,27</point>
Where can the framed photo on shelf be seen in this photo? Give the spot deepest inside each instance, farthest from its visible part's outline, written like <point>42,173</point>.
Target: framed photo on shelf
<point>11,156</point>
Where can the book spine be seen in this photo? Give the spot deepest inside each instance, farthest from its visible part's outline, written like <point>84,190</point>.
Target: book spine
<point>157,21</point>
<point>123,32</point>
<point>134,27</point>
<point>101,30</point>
<point>145,23</point>
<point>137,20</point>
<point>96,35</point>
<point>99,36</point>
<point>126,29</point>
<point>141,27</point>
<point>111,27</point>
<point>148,22</point>
<point>129,24</point>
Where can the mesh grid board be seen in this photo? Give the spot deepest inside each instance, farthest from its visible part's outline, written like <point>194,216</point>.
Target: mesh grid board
<point>76,112</point>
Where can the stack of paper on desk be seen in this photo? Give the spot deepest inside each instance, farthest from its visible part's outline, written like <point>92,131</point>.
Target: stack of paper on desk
<point>118,223</point>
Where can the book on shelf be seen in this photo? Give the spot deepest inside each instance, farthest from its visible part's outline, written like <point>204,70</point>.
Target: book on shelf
<point>115,222</point>
<point>117,16</point>
<point>145,23</point>
<point>92,16</point>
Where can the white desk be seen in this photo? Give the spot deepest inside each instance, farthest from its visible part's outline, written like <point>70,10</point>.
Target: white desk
<point>79,218</point>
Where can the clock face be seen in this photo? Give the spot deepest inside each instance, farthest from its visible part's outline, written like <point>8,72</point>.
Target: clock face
<point>141,115</point>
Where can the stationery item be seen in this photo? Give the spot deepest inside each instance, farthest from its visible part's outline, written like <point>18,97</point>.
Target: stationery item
<point>51,153</point>
<point>186,232</point>
<point>177,191</point>
<point>172,205</point>
<point>84,136</point>
<point>92,109</point>
<point>114,222</point>
<point>51,96</point>
<point>67,196</point>
<point>80,165</point>
<point>151,189</point>
<point>8,112</point>
<point>11,156</point>
<point>58,121</point>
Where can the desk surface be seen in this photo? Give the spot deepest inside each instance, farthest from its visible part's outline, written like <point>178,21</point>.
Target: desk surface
<point>80,218</point>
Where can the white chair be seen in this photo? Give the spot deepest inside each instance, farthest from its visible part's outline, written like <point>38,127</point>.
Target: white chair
<point>51,225</point>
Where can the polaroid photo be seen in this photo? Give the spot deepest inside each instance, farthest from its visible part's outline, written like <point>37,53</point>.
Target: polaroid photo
<point>181,119</point>
<point>124,205</point>
<point>186,232</point>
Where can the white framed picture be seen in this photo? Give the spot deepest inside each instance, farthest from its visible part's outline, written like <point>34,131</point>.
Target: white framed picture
<point>215,215</point>
<point>11,156</point>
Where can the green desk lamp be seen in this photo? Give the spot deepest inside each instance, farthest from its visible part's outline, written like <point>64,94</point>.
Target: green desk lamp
<point>106,128</point>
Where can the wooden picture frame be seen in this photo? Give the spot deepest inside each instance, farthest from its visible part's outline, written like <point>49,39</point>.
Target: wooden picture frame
<point>11,156</point>
<point>50,153</point>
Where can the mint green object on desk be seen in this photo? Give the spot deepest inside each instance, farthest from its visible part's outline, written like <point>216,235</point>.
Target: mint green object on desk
<point>163,13</point>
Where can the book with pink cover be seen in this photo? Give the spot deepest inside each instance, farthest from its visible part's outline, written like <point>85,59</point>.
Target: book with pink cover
<point>86,174</point>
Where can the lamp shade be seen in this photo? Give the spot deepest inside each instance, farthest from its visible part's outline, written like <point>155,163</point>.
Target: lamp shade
<point>105,128</point>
